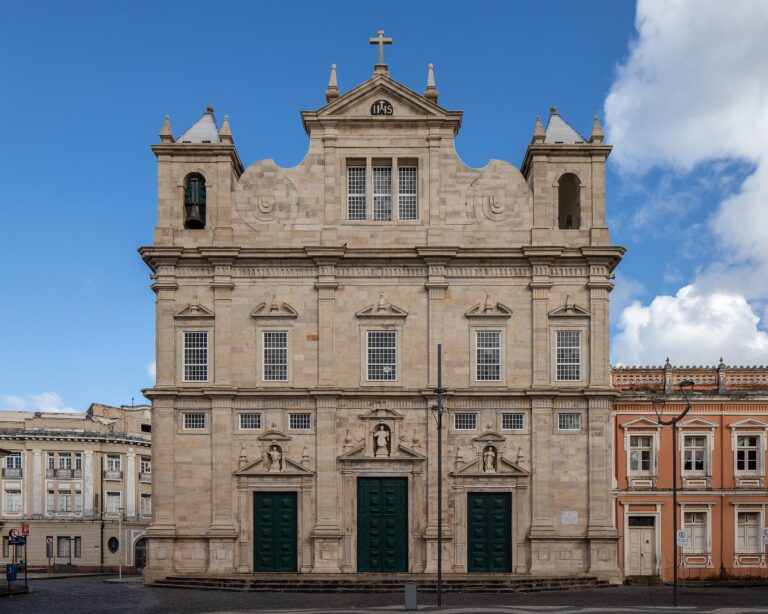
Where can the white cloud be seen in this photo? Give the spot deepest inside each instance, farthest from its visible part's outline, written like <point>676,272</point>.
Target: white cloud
<point>44,401</point>
<point>693,91</point>
<point>691,328</point>
<point>152,370</point>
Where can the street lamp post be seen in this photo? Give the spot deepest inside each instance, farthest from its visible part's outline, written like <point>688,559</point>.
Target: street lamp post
<point>439,409</point>
<point>658,408</point>
<point>120,542</point>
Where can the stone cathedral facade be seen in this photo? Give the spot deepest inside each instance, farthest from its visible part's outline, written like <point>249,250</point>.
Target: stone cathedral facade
<point>299,312</point>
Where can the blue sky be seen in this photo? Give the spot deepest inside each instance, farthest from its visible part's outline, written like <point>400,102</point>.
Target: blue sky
<point>85,88</point>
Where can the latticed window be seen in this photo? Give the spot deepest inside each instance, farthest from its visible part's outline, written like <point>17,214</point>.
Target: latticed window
<point>146,465</point>
<point>382,193</point>
<point>250,421</point>
<point>382,355</point>
<point>746,452</point>
<point>300,422</point>
<point>276,355</point>
<point>194,420</point>
<point>195,356</point>
<point>356,192</point>
<point>407,188</point>
<point>568,355</point>
<point>113,462</point>
<point>464,421</point>
<point>640,453</point>
<point>569,422</point>
<point>65,501</point>
<point>65,460</point>
<point>696,525</point>
<point>488,355</point>
<point>748,532</point>
<point>512,422</point>
<point>694,453</point>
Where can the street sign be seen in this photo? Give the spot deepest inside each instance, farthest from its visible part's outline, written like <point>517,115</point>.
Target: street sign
<point>25,528</point>
<point>682,537</point>
<point>49,540</point>
<point>13,533</point>
<point>764,536</point>
<point>19,540</point>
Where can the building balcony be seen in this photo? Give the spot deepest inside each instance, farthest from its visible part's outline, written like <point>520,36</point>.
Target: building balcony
<point>63,474</point>
<point>12,473</point>
<point>145,477</point>
<point>113,474</point>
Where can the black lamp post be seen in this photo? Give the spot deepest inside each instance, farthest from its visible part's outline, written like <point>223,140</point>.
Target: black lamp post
<point>439,410</point>
<point>658,408</point>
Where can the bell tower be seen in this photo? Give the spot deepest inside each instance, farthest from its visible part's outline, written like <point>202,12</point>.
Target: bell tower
<point>196,176</point>
<point>566,174</point>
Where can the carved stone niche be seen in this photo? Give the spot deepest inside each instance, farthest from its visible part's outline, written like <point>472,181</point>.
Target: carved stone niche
<point>489,460</point>
<point>380,419</point>
<point>274,450</point>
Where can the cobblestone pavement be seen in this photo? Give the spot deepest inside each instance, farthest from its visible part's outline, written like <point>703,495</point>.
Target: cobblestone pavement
<point>93,595</point>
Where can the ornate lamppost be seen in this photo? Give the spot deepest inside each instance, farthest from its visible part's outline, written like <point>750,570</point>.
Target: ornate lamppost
<point>658,407</point>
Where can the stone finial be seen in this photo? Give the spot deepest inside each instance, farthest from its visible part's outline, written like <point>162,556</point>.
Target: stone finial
<point>166,134</point>
<point>668,377</point>
<point>333,86</point>
<point>382,306</point>
<point>431,92</point>
<point>553,110</point>
<point>209,109</point>
<point>597,132</point>
<point>243,458</point>
<point>538,131</point>
<point>721,387</point>
<point>274,305</point>
<point>225,134</point>
<point>488,307</point>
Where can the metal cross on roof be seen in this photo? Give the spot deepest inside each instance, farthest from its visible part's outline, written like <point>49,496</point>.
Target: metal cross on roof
<point>381,41</point>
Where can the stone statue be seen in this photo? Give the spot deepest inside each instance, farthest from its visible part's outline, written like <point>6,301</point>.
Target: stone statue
<point>276,458</point>
<point>381,437</point>
<point>489,460</point>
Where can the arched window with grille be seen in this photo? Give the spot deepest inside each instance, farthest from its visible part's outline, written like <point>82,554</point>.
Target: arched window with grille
<point>194,201</point>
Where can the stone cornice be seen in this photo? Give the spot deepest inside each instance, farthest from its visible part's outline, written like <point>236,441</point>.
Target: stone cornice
<point>201,149</point>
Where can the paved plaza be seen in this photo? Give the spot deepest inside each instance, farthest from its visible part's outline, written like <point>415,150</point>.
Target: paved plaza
<point>86,595</point>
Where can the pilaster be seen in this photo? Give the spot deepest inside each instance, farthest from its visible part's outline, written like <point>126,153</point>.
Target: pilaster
<point>326,285</point>
<point>88,483</point>
<point>165,288</point>
<point>599,290</point>
<point>130,484</point>
<point>163,503</point>
<point>540,285</point>
<point>37,482</point>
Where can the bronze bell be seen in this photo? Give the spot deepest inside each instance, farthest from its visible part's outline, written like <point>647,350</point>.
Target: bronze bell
<point>195,217</point>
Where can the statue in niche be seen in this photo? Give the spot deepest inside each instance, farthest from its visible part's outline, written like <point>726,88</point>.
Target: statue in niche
<point>381,439</point>
<point>275,458</point>
<point>489,460</point>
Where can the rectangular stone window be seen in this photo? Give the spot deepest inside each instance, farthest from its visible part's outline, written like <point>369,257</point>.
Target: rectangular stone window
<point>748,533</point>
<point>569,422</point>
<point>145,465</point>
<point>112,502</point>
<point>640,454</point>
<point>356,192</point>
<point>464,421</point>
<point>381,354</point>
<point>195,356</point>
<point>696,525</point>
<point>408,193</point>
<point>145,505</point>
<point>300,422</point>
<point>568,353</point>
<point>275,355</point>
<point>113,462</point>
<point>250,421</point>
<point>488,355</point>
<point>78,546</point>
<point>12,501</point>
<point>746,453</point>
<point>194,421</point>
<point>694,453</point>
<point>382,193</point>
<point>512,422</point>
<point>13,460</point>
<point>63,547</point>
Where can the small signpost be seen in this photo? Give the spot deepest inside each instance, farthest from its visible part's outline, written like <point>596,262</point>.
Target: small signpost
<point>682,538</point>
<point>25,529</point>
<point>17,539</point>
<point>49,549</point>
<point>764,536</point>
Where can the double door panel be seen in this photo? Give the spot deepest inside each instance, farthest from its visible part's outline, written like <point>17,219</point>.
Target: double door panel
<point>275,531</point>
<point>641,560</point>
<point>382,524</point>
<point>489,532</point>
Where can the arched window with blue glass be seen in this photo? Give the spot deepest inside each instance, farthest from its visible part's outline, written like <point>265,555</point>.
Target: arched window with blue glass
<point>194,201</point>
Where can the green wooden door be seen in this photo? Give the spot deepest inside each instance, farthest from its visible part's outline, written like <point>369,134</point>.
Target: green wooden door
<point>274,529</point>
<point>382,524</point>
<point>489,532</point>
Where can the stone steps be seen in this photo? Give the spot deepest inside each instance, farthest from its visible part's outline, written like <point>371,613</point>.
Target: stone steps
<point>363,583</point>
